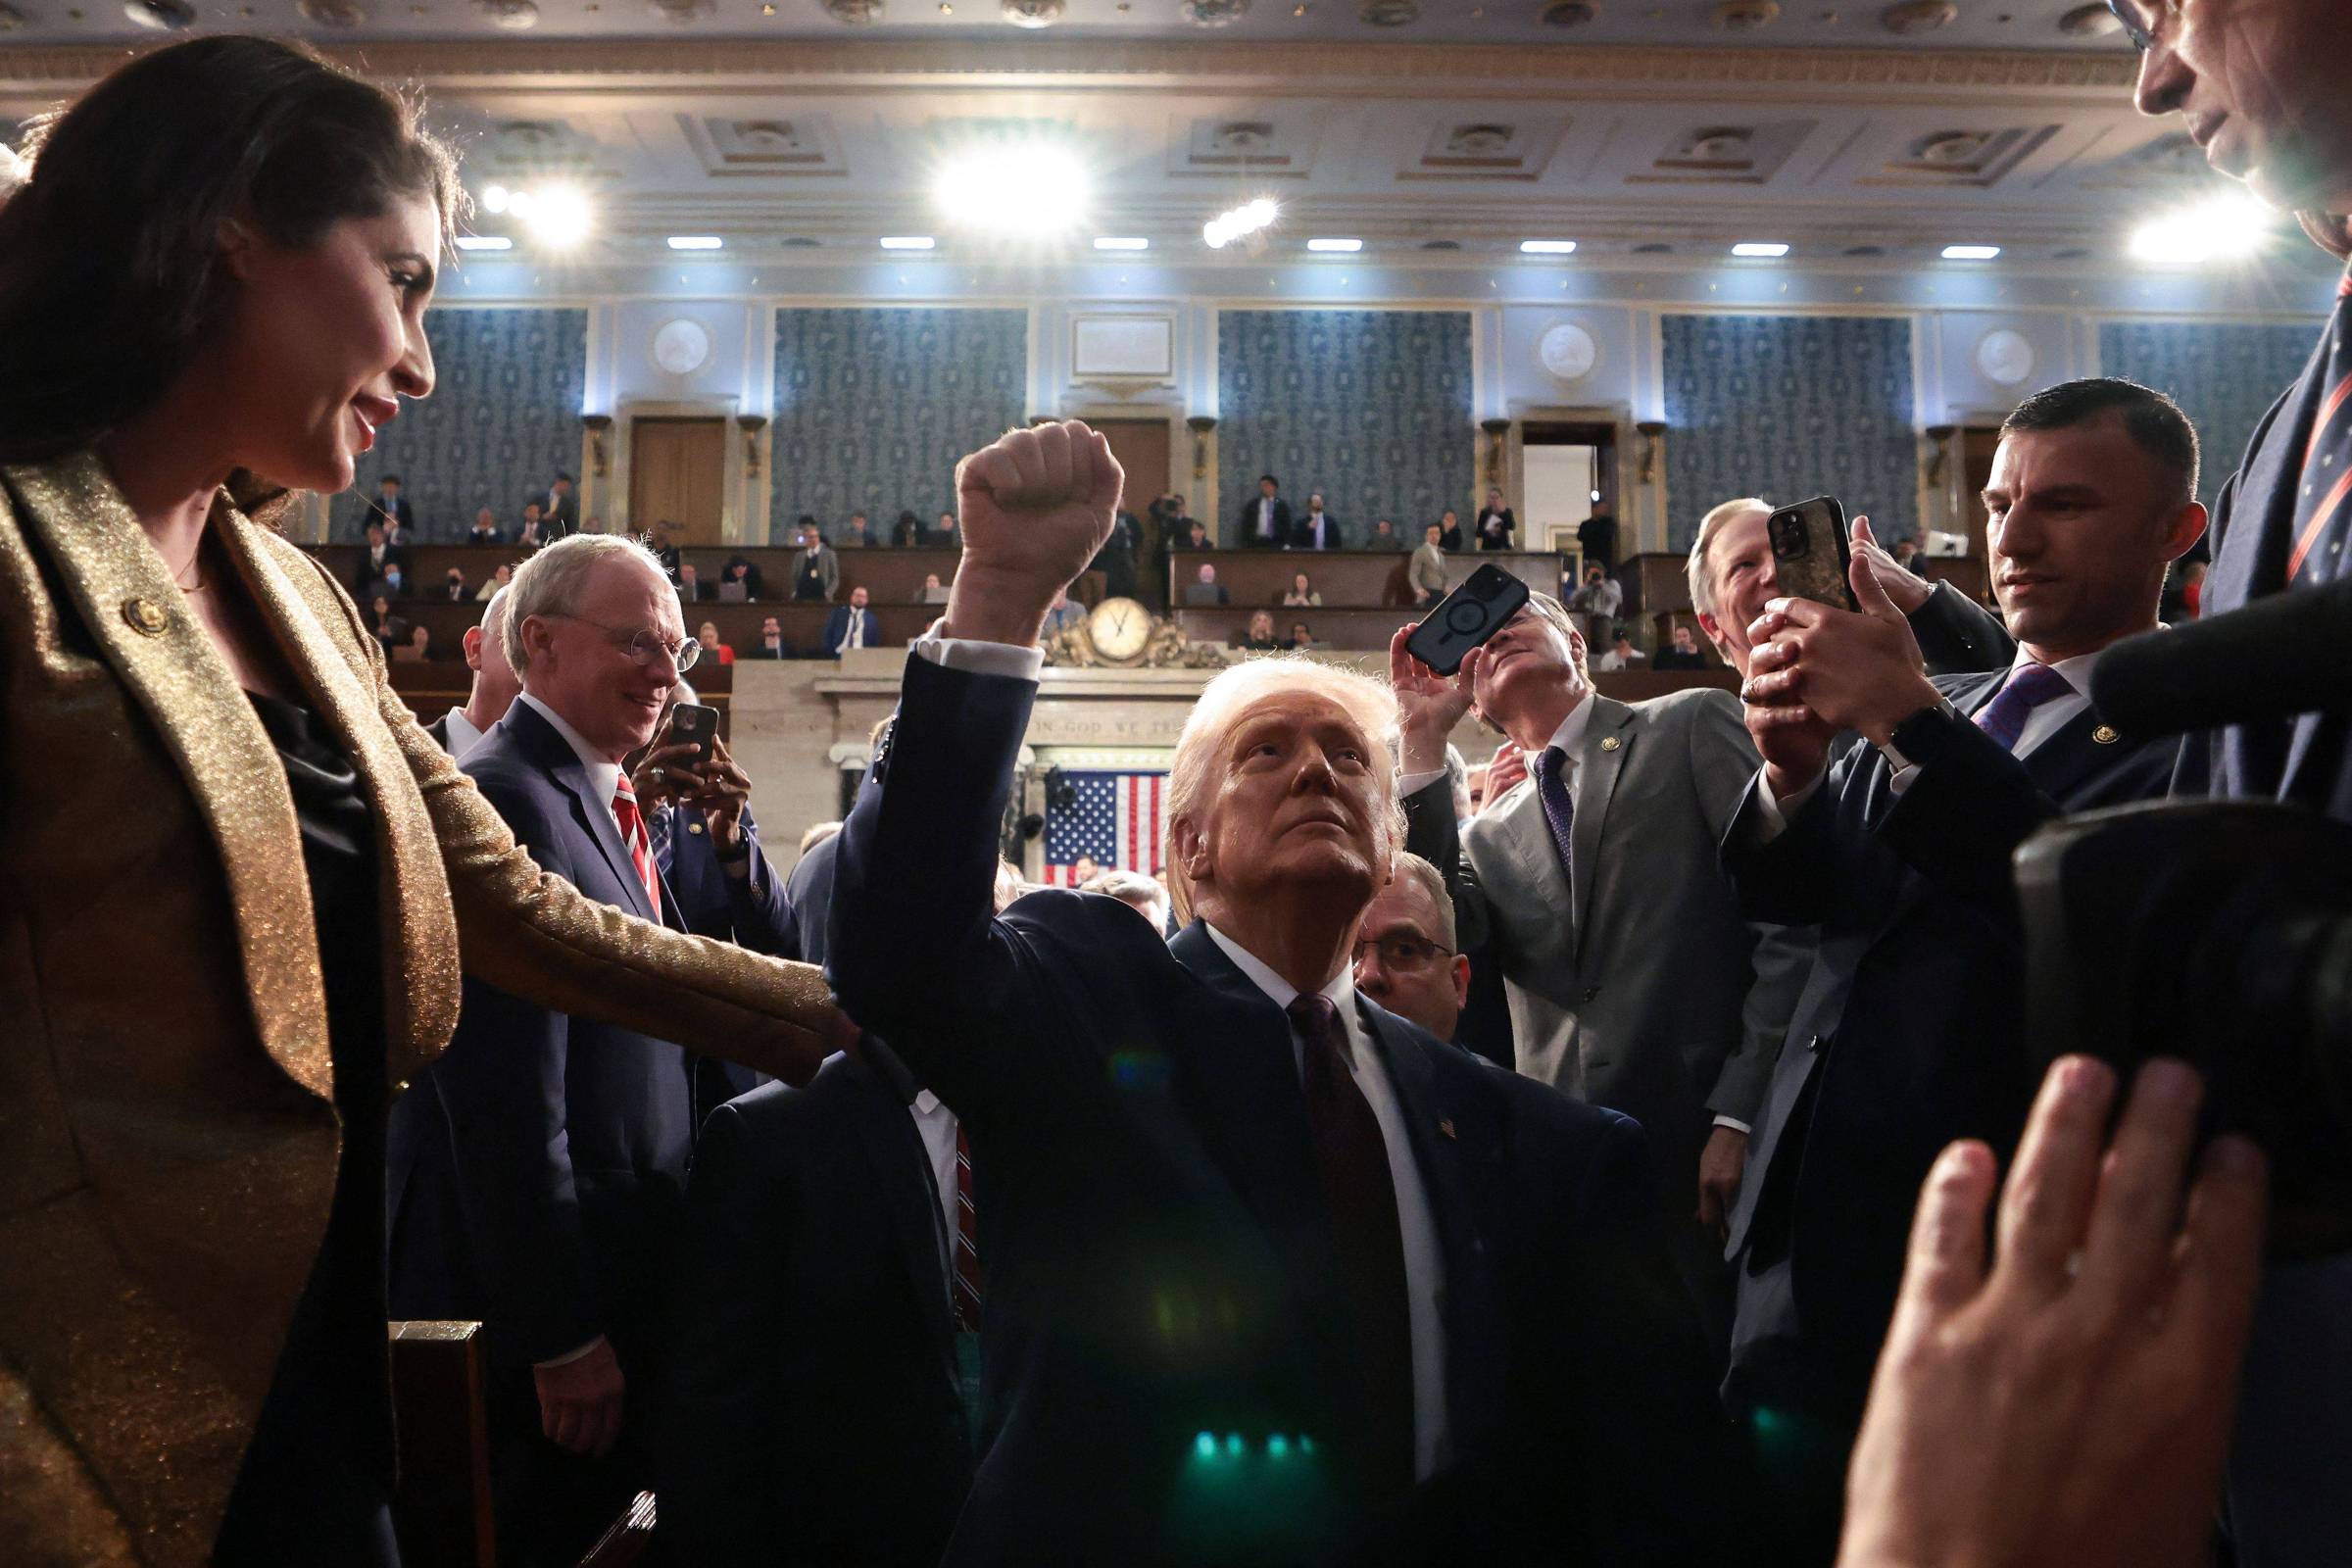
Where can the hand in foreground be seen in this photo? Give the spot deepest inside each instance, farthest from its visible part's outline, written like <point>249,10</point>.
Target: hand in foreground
<point>1508,768</point>
<point>579,1402</point>
<point>664,772</point>
<point>1035,508</point>
<point>1428,704</point>
<point>1719,1167</point>
<point>725,789</point>
<point>1853,672</point>
<point>2072,1408</point>
<point>1904,588</point>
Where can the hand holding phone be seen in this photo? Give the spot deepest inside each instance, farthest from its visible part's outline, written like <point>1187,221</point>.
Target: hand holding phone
<point>692,725</point>
<point>1810,556</point>
<point>1466,619</point>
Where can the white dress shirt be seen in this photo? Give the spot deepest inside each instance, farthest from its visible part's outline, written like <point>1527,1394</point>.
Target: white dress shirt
<point>463,735</point>
<point>1424,1260</point>
<point>1265,517</point>
<point>855,636</point>
<point>1569,738</point>
<point>937,1125</point>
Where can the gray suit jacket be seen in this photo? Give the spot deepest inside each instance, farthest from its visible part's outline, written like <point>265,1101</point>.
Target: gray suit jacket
<point>1651,996</point>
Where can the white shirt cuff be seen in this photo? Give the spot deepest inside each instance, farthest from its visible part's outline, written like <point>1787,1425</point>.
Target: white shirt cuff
<point>1772,815</point>
<point>981,659</point>
<point>1416,783</point>
<point>569,1356</point>
<point>1733,1123</point>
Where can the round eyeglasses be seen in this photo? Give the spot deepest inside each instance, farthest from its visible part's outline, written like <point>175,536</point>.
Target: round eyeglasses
<point>643,643</point>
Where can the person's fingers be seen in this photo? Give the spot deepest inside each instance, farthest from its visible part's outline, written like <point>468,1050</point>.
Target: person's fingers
<point>1862,532</point>
<point>1863,578</point>
<point>1794,716</point>
<point>1773,689</point>
<point>1054,464</point>
<point>2220,1263</point>
<point>2132,1223</point>
<point>1109,476</point>
<point>989,472</point>
<point>563,1425</point>
<point>1795,611</point>
<point>1944,1267</point>
<point>1465,679</point>
<point>608,1425</point>
<point>2047,1200</point>
<point>1401,663</point>
<point>1710,1205</point>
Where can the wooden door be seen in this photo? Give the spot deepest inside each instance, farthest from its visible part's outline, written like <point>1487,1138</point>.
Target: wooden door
<point>678,474</point>
<point>1141,448</point>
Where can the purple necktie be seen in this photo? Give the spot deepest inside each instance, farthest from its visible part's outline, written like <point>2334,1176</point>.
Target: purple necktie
<point>2029,686</point>
<point>1559,810</point>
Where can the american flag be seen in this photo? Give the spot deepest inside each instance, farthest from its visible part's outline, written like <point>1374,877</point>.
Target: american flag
<point>1113,817</point>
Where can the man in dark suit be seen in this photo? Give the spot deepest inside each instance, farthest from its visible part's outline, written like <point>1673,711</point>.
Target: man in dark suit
<point>485,529</point>
<point>570,1136</point>
<point>850,625</point>
<point>559,508</point>
<point>1909,1030</point>
<point>382,565</point>
<point>1221,1195</point>
<point>771,642</point>
<point>1318,530</point>
<point>1264,523</point>
<point>391,509</point>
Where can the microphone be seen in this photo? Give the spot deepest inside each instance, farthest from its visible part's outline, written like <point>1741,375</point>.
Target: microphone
<point>2285,654</point>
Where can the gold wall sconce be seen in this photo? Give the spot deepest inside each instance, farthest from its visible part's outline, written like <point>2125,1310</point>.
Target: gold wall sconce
<point>751,425</point>
<point>1651,430</point>
<point>598,427</point>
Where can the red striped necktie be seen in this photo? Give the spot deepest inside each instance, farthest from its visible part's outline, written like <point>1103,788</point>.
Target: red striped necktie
<point>963,1290</point>
<point>641,849</point>
<point>2321,507</point>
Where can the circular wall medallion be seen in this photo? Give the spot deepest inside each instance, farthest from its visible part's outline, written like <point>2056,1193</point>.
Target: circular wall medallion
<point>1568,352</point>
<point>681,347</point>
<point>2004,356</point>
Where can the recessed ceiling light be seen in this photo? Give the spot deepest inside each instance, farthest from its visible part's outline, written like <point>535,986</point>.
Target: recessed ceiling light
<point>696,242</point>
<point>1235,223</point>
<point>907,242</point>
<point>2227,227</point>
<point>1026,186</point>
<point>1335,244</point>
<point>1107,242</point>
<point>1549,247</point>
<point>1971,252</point>
<point>494,198</point>
<point>1758,247</point>
<point>484,242</point>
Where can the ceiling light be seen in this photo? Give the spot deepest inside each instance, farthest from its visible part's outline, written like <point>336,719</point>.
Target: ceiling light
<point>1971,252</point>
<point>1549,247</point>
<point>696,242</point>
<point>494,198</point>
<point>484,242</point>
<point>2226,228</point>
<point>1235,223</point>
<point>909,242</point>
<point>1756,247</point>
<point>1107,243</point>
<point>1027,187</point>
<point>561,216</point>
<point>1335,244</point>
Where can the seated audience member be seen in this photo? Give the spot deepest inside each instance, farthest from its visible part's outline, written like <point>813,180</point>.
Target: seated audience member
<point>771,642</point>
<point>1428,570</point>
<point>1301,636</point>
<point>1205,589</point>
<point>420,647</point>
<point>1595,603</point>
<point>391,509</point>
<point>392,630</point>
<point>2071,1405</point>
<point>1496,527</point>
<point>1139,891</point>
<point>485,529</point>
<point>1260,637</point>
<point>1449,530</point>
<point>1385,536</point>
<point>933,591</point>
<point>1900,852</point>
<point>743,575</point>
<point>1316,530</point>
<point>908,533</point>
<point>1264,523</point>
<point>379,563</point>
<point>707,635</point>
<point>691,587</point>
<point>453,587</point>
<point>1622,654</point>
<point>1681,653</point>
<point>1405,957</point>
<point>1196,535</point>
<point>855,535</point>
<point>533,531</point>
<point>944,536</point>
<point>593,525</point>
<point>850,625</point>
<point>493,692</point>
<point>816,570</point>
<point>499,575</point>
<point>1632,976</point>
<point>1302,593</point>
<point>1062,614</point>
<point>1247,1232</point>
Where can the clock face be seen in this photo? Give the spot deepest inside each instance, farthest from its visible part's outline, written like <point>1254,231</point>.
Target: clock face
<point>1119,627</point>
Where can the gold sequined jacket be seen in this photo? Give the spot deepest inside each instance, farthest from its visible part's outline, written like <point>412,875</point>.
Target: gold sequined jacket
<point>167,1141</point>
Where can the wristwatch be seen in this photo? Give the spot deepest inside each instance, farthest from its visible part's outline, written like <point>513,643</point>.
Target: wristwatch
<point>1923,736</point>
<point>741,853</point>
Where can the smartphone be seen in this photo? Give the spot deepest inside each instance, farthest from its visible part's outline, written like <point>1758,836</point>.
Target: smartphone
<point>1810,556</point>
<point>1465,619</point>
<point>692,725</point>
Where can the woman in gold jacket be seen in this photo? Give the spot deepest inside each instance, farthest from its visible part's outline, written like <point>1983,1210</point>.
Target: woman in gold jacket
<point>219,268</point>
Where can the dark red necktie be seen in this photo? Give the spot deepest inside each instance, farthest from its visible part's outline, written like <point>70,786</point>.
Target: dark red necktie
<point>2320,509</point>
<point>641,849</point>
<point>963,1290</point>
<point>1360,1194</point>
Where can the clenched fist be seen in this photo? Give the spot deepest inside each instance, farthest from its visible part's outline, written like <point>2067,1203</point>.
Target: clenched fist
<point>1036,507</point>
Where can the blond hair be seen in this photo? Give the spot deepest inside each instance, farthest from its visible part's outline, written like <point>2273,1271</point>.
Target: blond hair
<point>1702,580</point>
<point>1232,696</point>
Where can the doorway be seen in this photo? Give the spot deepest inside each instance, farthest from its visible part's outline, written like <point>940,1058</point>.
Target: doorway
<point>1142,448</point>
<point>678,474</point>
<point>1570,474</point>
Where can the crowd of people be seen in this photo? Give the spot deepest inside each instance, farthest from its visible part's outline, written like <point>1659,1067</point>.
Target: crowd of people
<point>1597,1158</point>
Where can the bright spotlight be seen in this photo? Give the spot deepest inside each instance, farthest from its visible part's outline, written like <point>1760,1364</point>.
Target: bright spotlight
<point>1756,247</point>
<point>494,198</point>
<point>1024,189</point>
<point>561,216</point>
<point>1343,245</point>
<point>1108,242</point>
<point>696,242</point>
<point>907,242</point>
<point>2227,227</point>
<point>484,242</point>
<point>1971,252</point>
<point>1547,247</point>
<point>1235,223</point>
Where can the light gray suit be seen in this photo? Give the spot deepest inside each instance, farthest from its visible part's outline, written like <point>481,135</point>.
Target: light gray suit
<point>1647,992</point>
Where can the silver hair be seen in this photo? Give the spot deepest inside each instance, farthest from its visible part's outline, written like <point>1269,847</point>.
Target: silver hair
<point>1432,882</point>
<point>551,582</point>
<point>1702,580</point>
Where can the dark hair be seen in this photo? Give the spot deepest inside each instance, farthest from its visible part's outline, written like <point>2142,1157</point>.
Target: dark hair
<point>563,477</point>
<point>2151,419</point>
<point>1267,478</point>
<point>110,264</point>
<point>389,478</point>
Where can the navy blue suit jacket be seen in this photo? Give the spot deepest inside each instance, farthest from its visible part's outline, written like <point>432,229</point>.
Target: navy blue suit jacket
<point>837,629</point>
<point>1160,1262</point>
<point>1910,1029</point>
<point>812,1411</point>
<point>570,1136</point>
<point>751,913</point>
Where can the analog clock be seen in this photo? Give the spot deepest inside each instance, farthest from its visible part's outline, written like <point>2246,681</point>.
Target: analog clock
<point>1119,628</point>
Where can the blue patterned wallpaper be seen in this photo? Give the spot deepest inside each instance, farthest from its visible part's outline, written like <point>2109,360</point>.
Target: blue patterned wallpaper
<point>1788,407</point>
<point>2224,375</point>
<point>1372,407</point>
<point>504,419</point>
<point>875,406</point>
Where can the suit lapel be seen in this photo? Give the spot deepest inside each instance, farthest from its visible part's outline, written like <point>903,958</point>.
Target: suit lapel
<point>552,751</point>
<point>1610,737</point>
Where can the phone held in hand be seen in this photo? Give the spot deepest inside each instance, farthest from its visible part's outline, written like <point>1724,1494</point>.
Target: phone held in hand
<point>1810,558</point>
<point>1466,619</point>
<point>692,725</point>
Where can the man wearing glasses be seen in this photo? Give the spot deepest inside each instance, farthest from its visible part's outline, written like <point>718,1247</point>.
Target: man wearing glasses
<point>2259,86</point>
<point>572,1137</point>
<point>1406,956</point>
